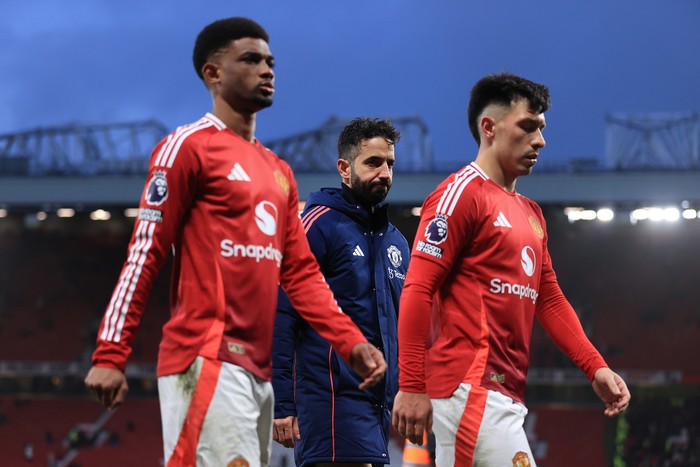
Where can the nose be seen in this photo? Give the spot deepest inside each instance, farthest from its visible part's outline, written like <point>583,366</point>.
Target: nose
<point>267,71</point>
<point>539,141</point>
<point>385,172</point>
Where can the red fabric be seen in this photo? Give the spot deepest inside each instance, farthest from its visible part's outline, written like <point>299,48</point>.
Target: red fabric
<point>230,218</point>
<point>469,424</point>
<point>488,276</point>
<point>185,452</point>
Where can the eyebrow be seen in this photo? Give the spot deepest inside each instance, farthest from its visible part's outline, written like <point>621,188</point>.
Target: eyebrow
<point>535,121</point>
<point>256,54</point>
<point>375,157</point>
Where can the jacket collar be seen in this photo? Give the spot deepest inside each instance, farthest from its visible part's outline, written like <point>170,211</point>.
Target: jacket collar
<point>343,200</point>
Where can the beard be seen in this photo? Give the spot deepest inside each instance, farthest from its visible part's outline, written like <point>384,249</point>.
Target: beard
<point>369,193</point>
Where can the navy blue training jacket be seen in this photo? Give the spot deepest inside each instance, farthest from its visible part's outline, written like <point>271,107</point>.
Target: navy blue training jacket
<point>364,259</point>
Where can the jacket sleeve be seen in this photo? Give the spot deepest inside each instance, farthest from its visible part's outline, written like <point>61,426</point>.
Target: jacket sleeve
<point>561,322</point>
<point>287,327</point>
<point>168,192</point>
<point>308,291</point>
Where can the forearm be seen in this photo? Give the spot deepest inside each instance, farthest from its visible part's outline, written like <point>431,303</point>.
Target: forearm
<point>413,329</point>
<point>562,324</point>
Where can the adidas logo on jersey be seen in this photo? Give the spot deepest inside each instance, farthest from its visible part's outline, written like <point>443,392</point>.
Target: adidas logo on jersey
<point>357,251</point>
<point>501,221</point>
<point>237,173</point>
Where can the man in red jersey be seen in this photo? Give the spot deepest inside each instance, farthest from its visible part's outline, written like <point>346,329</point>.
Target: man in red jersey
<point>227,208</point>
<point>480,263</point>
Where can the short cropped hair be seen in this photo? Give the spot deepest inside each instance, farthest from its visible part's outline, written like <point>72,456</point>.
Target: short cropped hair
<point>504,89</point>
<point>361,129</point>
<point>219,34</point>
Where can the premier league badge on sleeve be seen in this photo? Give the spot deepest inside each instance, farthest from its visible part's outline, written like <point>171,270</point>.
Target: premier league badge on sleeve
<point>436,231</point>
<point>157,191</point>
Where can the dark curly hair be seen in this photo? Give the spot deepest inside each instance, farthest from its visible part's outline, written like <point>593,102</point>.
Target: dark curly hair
<point>219,34</point>
<point>361,129</point>
<point>504,89</point>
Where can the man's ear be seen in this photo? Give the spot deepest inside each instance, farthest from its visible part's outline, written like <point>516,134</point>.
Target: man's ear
<point>486,126</point>
<point>211,73</point>
<point>344,170</point>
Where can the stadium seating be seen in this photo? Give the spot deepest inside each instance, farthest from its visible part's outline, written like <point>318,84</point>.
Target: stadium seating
<point>131,435</point>
<point>634,289</point>
<point>632,286</point>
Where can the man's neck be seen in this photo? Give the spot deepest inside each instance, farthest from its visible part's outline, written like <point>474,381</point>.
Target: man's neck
<point>491,167</point>
<point>241,123</point>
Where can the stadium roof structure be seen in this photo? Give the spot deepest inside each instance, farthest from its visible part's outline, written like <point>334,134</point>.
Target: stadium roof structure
<point>106,164</point>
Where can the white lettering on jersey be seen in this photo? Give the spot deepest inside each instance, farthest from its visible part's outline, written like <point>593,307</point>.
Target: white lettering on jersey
<point>427,248</point>
<point>259,252</point>
<point>522,291</point>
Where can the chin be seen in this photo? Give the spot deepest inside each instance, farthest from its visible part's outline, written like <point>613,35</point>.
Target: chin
<point>378,199</point>
<point>263,102</point>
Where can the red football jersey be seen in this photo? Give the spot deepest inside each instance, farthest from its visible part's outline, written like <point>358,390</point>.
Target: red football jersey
<point>480,260</point>
<point>228,210</point>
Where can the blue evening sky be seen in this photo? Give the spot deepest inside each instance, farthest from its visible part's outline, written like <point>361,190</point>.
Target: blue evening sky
<point>99,62</point>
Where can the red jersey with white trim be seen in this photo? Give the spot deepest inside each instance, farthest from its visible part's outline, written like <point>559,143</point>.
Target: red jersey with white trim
<point>228,210</point>
<point>480,260</point>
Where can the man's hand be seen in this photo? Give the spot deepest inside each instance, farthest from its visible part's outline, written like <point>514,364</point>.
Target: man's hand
<point>107,385</point>
<point>412,415</point>
<point>369,363</point>
<point>612,390</point>
<point>286,431</point>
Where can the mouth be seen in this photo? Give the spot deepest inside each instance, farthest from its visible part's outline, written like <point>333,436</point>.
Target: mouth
<point>267,88</point>
<point>531,159</point>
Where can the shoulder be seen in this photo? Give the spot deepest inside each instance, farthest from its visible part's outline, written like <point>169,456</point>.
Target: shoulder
<point>282,170</point>
<point>457,189</point>
<point>533,205</point>
<point>319,217</point>
<point>197,132</point>
<point>395,235</point>
<point>274,158</point>
<point>192,137</point>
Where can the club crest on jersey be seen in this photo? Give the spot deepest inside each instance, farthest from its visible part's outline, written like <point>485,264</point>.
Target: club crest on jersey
<point>157,191</point>
<point>536,226</point>
<point>238,462</point>
<point>394,255</point>
<point>521,459</point>
<point>436,231</point>
<point>282,181</point>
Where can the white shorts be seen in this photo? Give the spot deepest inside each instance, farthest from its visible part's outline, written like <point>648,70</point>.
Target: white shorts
<point>480,427</point>
<point>216,414</point>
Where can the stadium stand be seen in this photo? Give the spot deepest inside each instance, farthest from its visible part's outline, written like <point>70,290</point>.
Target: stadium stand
<point>634,287</point>
<point>56,431</point>
<point>663,431</point>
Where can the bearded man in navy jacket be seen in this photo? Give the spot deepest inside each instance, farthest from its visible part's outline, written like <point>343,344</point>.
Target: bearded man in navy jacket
<point>319,409</point>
